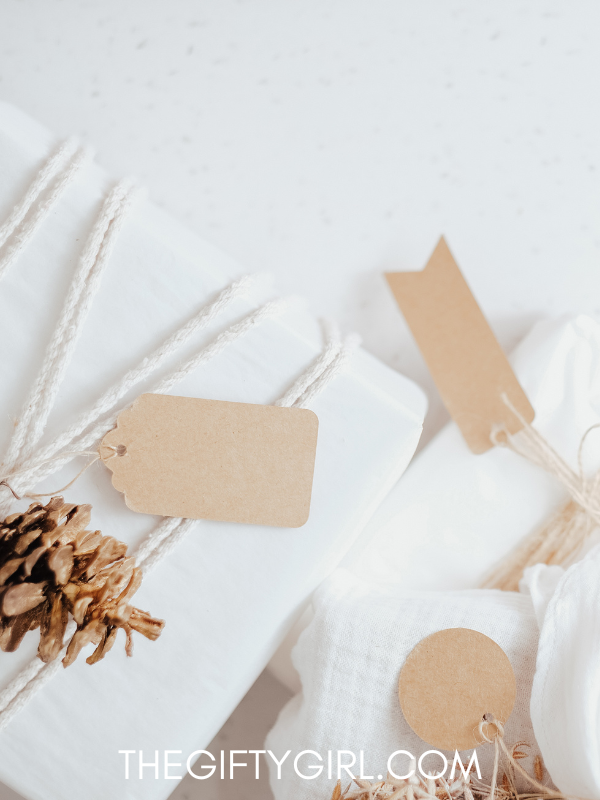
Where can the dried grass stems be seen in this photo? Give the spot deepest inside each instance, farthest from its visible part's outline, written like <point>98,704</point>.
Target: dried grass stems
<point>461,788</point>
<point>563,535</point>
<point>412,789</point>
<point>558,541</point>
<point>51,567</point>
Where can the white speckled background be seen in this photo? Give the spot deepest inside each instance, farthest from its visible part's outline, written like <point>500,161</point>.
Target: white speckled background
<point>327,140</point>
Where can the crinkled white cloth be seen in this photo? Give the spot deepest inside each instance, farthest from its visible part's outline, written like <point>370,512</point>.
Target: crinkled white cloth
<point>349,658</point>
<point>350,655</point>
<point>565,699</point>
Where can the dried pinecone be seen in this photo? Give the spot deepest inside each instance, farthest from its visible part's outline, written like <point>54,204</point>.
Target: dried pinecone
<point>50,567</point>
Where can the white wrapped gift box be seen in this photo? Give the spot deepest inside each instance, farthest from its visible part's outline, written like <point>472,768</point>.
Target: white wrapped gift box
<point>228,592</point>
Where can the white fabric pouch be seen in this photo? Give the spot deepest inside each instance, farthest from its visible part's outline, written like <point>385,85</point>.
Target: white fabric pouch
<point>350,656</point>
<point>228,592</point>
<point>349,659</point>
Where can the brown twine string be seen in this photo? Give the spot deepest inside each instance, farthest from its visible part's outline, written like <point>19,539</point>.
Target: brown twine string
<point>564,533</point>
<point>117,450</point>
<point>4,482</point>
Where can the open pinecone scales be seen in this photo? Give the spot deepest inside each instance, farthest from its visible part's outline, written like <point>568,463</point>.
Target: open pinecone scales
<point>51,567</point>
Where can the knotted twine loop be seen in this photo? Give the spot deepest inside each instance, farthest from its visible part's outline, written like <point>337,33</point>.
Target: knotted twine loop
<point>95,456</point>
<point>497,739</point>
<point>562,536</point>
<point>488,719</point>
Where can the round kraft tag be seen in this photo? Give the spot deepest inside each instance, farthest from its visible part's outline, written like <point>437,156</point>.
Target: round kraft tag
<point>449,681</point>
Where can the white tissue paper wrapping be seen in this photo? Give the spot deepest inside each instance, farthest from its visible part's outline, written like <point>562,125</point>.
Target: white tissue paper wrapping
<point>565,698</point>
<point>228,592</point>
<point>454,515</point>
<point>349,659</point>
<point>448,521</point>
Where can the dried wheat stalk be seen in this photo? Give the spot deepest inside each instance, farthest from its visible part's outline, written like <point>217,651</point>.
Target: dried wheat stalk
<point>469,788</point>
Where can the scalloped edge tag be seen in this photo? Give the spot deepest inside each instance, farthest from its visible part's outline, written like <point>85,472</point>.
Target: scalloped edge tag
<point>213,459</point>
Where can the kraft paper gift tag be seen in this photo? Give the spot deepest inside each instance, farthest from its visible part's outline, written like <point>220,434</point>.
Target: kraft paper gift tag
<point>468,365</point>
<point>449,681</point>
<point>210,459</point>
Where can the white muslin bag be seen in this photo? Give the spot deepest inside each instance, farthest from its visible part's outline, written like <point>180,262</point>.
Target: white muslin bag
<point>350,655</point>
<point>349,659</point>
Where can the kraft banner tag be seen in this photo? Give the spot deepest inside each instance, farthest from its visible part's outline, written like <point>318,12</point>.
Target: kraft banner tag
<point>210,459</point>
<point>450,681</point>
<point>468,365</point>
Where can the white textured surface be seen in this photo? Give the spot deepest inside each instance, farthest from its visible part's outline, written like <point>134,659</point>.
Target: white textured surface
<point>327,140</point>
